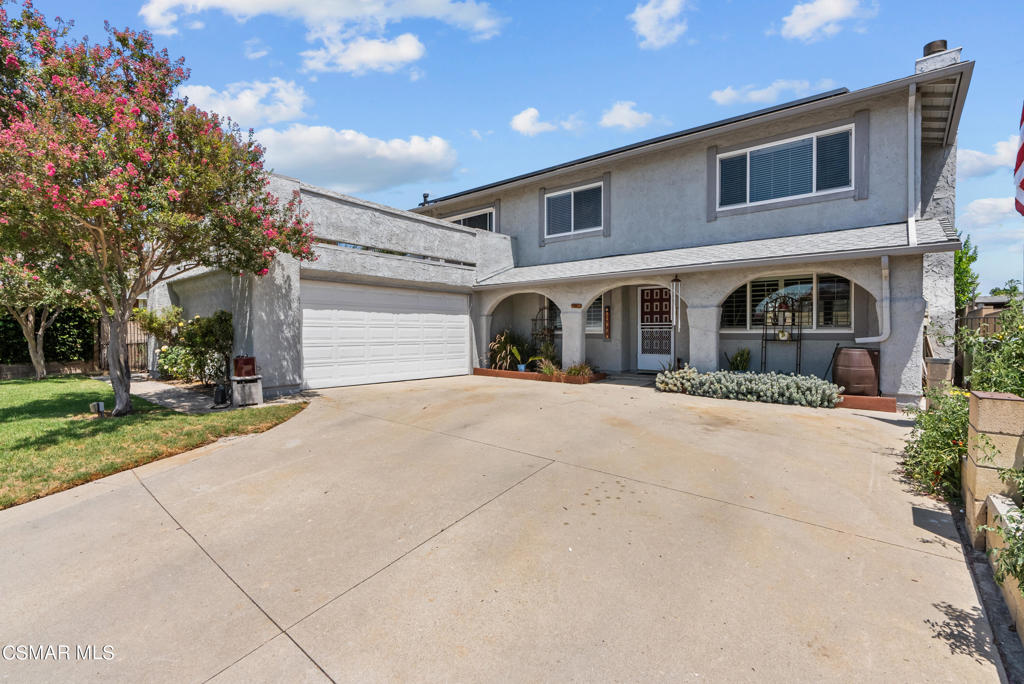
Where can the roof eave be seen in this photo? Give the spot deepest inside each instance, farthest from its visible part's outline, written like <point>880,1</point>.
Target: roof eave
<point>928,248</point>
<point>831,98</point>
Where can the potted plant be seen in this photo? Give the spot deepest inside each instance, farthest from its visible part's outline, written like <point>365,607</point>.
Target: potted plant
<point>520,366</point>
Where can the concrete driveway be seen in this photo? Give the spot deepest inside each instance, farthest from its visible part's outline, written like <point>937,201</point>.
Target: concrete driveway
<point>487,529</point>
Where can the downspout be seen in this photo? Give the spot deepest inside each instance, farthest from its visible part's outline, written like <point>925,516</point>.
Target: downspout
<point>886,322</point>
<point>911,170</point>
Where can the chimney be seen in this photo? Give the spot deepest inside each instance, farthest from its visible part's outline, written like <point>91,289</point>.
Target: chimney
<point>936,56</point>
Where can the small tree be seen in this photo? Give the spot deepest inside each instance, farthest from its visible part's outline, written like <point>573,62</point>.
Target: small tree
<point>98,156</point>
<point>965,278</point>
<point>34,295</point>
<point>1011,288</point>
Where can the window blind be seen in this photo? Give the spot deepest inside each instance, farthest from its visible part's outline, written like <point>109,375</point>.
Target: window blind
<point>833,302</point>
<point>834,161</point>
<point>781,171</point>
<point>586,205</point>
<point>559,211</point>
<point>732,180</point>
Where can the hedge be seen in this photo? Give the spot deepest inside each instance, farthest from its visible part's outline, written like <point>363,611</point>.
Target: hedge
<point>70,338</point>
<point>771,388</point>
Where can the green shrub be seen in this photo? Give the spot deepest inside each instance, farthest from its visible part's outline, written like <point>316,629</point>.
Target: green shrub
<point>771,388</point>
<point>201,349</point>
<point>581,369</point>
<point>163,324</point>
<point>997,360</point>
<point>70,338</point>
<point>937,444</point>
<point>549,368</point>
<point>1009,560</point>
<point>740,361</point>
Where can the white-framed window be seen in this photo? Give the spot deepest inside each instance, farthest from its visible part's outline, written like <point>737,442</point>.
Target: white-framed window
<point>826,302</point>
<point>804,166</point>
<point>577,210</point>
<point>593,320</point>
<point>481,220</point>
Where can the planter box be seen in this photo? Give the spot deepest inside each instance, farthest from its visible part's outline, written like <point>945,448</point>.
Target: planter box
<point>852,401</point>
<point>569,379</point>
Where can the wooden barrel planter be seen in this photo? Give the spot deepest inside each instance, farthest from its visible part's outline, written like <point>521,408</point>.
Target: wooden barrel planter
<point>856,369</point>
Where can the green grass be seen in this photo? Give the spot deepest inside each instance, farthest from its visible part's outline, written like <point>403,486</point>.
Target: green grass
<point>50,442</point>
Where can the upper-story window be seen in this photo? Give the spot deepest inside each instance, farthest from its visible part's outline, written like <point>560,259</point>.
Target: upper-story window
<point>482,220</point>
<point>822,301</point>
<point>799,167</point>
<point>577,210</point>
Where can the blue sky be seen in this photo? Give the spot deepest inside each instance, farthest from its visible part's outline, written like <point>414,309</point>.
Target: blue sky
<point>387,99</point>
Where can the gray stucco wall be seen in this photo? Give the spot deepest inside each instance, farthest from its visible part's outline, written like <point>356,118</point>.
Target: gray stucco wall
<point>938,200</point>
<point>658,200</point>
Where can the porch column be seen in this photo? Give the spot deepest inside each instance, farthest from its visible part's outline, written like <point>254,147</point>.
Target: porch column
<point>574,338</point>
<point>703,323</point>
<point>482,328</point>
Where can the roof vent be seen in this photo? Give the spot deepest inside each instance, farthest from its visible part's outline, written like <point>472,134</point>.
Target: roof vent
<point>934,47</point>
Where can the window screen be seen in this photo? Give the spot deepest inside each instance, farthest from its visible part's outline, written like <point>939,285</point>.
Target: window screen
<point>483,221</point>
<point>734,309</point>
<point>559,211</point>
<point>586,208</point>
<point>833,302</point>
<point>781,171</point>
<point>732,180</point>
<point>595,315</point>
<point>760,293</point>
<point>834,161</point>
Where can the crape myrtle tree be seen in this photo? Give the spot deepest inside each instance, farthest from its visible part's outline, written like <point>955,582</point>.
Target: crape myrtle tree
<point>100,161</point>
<point>34,294</point>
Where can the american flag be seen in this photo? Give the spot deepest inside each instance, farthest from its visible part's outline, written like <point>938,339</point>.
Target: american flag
<point>1018,169</point>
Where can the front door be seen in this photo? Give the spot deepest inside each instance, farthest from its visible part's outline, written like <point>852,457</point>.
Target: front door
<point>655,336</point>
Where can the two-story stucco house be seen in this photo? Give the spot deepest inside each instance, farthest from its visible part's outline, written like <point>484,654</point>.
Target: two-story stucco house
<point>661,252</point>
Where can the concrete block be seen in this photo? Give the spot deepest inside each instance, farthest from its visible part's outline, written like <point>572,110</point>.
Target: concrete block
<point>999,412</point>
<point>983,480</point>
<point>994,449</point>
<point>996,510</point>
<point>974,510</point>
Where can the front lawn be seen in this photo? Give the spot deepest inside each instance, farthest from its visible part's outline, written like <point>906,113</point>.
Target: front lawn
<point>49,442</point>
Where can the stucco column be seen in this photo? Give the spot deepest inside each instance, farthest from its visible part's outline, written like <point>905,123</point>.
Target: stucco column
<point>703,324</point>
<point>482,328</point>
<point>574,338</point>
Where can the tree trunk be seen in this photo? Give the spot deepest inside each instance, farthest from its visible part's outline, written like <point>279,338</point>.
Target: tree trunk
<point>27,321</point>
<point>117,360</point>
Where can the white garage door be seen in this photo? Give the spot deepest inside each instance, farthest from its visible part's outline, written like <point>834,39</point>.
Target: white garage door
<point>357,334</point>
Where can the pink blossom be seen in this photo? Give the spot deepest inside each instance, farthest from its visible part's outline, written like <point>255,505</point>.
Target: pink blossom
<point>173,195</point>
<point>135,110</point>
<point>56,80</point>
<point>121,101</point>
<point>132,171</point>
<point>12,61</point>
<point>144,156</point>
<point>50,169</point>
<point>262,271</point>
<point>35,277</point>
<point>99,203</point>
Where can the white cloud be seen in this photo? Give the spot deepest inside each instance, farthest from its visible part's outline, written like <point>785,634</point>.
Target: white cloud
<point>811,21</point>
<point>625,115</point>
<point>255,48</point>
<point>196,25</point>
<point>353,162</point>
<point>360,55</point>
<point>351,32</point>
<point>972,163</point>
<point>528,122</point>
<point>658,23</point>
<point>769,94</point>
<point>251,103</point>
<point>476,134</point>
<point>988,211</point>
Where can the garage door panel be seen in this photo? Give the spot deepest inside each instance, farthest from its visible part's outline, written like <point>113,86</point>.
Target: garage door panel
<point>356,334</point>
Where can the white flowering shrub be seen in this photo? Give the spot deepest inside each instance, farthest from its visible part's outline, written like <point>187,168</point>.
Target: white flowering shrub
<point>771,388</point>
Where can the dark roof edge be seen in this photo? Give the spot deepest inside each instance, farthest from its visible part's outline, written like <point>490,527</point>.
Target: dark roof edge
<point>869,91</point>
